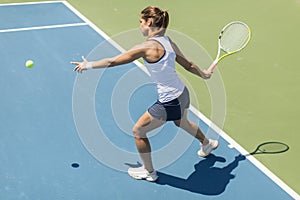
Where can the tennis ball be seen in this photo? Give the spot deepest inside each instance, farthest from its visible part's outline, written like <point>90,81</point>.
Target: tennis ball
<point>29,64</point>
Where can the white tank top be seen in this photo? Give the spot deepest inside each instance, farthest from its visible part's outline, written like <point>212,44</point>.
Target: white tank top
<point>163,72</point>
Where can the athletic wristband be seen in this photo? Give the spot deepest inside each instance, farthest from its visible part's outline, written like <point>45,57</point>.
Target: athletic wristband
<point>89,65</point>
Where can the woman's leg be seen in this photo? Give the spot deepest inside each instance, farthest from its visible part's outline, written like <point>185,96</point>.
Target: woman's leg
<point>207,144</point>
<point>145,124</point>
<point>191,128</point>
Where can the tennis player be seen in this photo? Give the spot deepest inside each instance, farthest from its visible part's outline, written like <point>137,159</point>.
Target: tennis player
<point>159,53</point>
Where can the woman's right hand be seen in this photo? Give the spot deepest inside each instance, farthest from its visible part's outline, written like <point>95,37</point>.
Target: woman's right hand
<point>206,74</point>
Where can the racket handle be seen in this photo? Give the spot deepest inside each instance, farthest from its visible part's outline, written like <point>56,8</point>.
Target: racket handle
<point>213,66</point>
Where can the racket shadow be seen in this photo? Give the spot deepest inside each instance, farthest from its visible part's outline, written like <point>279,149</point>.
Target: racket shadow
<point>206,179</point>
<point>270,148</point>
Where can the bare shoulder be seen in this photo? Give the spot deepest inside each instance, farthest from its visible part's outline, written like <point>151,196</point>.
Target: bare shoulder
<point>144,46</point>
<point>151,44</point>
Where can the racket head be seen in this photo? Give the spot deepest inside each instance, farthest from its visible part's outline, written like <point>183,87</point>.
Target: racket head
<point>234,37</point>
<point>271,148</point>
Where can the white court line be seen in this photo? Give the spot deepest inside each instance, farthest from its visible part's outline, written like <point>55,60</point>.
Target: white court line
<point>29,3</point>
<point>42,27</point>
<point>38,27</point>
<point>225,136</point>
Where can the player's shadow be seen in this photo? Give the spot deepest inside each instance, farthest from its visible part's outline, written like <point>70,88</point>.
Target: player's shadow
<point>206,179</point>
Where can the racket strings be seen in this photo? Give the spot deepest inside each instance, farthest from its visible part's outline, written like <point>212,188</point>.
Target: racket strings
<point>273,148</point>
<point>234,37</point>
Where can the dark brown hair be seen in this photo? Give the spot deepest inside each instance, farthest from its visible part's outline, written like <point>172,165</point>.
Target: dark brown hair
<point>160,17</point>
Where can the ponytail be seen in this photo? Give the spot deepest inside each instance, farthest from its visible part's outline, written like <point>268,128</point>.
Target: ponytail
<point>165,19</point>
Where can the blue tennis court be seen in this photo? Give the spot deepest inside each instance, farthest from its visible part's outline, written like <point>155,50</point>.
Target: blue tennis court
<point>63,136</point>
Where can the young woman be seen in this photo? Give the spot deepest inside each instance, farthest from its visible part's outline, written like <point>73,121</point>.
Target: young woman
<point>160,54</point>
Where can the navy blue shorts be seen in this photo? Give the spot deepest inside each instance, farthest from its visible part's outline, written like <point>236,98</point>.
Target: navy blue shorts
<point>172,110</point>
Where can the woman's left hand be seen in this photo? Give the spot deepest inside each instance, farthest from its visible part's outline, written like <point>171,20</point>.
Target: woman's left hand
<point>80,66</point>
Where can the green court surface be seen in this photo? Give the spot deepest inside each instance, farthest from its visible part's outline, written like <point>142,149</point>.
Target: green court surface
<point>261,82</point>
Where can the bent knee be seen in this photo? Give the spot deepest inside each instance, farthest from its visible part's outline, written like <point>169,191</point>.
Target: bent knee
<point>137,132</point>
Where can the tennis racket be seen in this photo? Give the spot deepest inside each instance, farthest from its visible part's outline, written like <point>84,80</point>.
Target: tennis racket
<point>232,39</point>
<point>270,148</point>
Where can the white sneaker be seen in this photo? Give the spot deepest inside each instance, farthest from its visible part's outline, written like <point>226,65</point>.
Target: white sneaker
<point>206,149</point>
<point>141,173</point>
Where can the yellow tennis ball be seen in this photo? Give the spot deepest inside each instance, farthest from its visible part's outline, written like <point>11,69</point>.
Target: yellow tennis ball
<point>29,64</point>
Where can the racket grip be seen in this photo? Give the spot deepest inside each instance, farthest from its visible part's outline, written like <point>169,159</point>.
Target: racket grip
<point>213,66</point>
